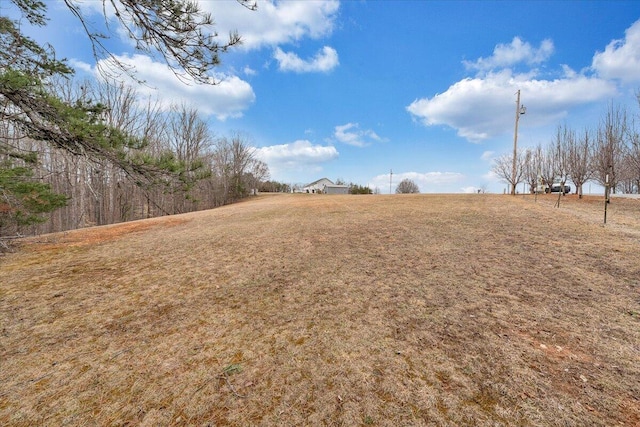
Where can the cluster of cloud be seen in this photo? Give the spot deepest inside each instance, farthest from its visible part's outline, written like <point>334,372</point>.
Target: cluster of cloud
<point>479,107</point>
<point>301,155</point>
<point>274,24</point>
<point>621,58</point>
<point>324,61</point>
<point>351,134</point>
<point>227,99</point>
<point>505,55</point>
<point>279,23</point>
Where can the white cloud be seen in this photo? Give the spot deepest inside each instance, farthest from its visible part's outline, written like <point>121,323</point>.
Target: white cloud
<point>82,66</point>
<point>621,58</point>
<point>229,98</point>
<point>352,135</point>
<point>274,23</point>
<point>324,61</point>
<point>298,155</point>
<point>507,55</point>
<point>487,156</point>
<point>483,107</point>
<point>428,182</point>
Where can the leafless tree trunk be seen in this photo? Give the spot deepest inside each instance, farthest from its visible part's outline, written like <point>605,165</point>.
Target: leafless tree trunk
<point>548,172</point>
<point>560,153</point>
<point>259,173</point>
<point>578,160</point>
<point>191,140</point>
<point>242,157</point>
<point>631,163</point>
<point>608,149</point>
<point>532,164</point>
<point>222,168</point>
<point>503,168</point>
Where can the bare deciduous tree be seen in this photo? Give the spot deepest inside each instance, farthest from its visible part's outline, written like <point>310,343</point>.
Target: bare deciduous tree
<point>242,157</point>
<point>547,167</point>
<point>560,154</point>
<point>259,173</point>
<point>578,160</point>
<point>532,162</point>
<point>407,186</point>
<point>503,168</point>
<point>233,161</point>
<point>631,163</point>
<point>608,148</point>
<point>189,134</point>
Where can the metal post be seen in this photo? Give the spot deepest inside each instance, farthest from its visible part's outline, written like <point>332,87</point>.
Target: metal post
<point>606,197</point>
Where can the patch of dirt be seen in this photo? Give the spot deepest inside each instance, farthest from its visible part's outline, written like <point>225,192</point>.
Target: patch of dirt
<point>96,235</point>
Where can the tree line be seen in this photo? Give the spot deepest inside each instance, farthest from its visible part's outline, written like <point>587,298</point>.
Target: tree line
<point>73,155</point>
<point>608,155</point>
<point>195,169</point>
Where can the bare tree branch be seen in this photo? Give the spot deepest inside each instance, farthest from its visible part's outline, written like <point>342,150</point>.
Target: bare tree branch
<point>176,31</point>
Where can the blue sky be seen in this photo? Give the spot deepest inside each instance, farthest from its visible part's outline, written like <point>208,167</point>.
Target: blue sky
<point>355,89</point>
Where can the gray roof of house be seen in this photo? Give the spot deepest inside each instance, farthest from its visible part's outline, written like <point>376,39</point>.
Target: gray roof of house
<point>315,182</point>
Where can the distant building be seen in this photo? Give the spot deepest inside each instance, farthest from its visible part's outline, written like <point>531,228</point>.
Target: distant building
<point>336,189</point>
<point>317,186</point>
<point>325,186</point>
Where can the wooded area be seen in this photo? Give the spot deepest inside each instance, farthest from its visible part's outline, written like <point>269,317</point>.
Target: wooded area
<point>203,170</point>
<point>76,154</point>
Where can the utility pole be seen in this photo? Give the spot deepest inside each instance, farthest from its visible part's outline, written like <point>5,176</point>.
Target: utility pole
<point>390,178</point>
<point>519,111</point>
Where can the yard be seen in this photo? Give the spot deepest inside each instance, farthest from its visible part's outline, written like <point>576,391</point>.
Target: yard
<point>291,310</point>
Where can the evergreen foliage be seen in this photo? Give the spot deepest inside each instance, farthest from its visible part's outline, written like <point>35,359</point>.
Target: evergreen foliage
<point>23,200</point>
<point>359,189</point>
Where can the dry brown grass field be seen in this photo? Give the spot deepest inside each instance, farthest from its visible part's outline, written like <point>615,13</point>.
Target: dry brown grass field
<point>292,310</point>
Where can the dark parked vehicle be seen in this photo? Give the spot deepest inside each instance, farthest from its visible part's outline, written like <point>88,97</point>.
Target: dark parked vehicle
<point>556,188</point>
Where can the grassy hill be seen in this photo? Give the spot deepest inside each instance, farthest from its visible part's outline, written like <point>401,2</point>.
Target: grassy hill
<point>330,310</point>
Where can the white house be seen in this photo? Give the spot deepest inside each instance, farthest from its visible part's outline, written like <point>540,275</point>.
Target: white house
<point>317,186</point>
<point>326,186</point>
